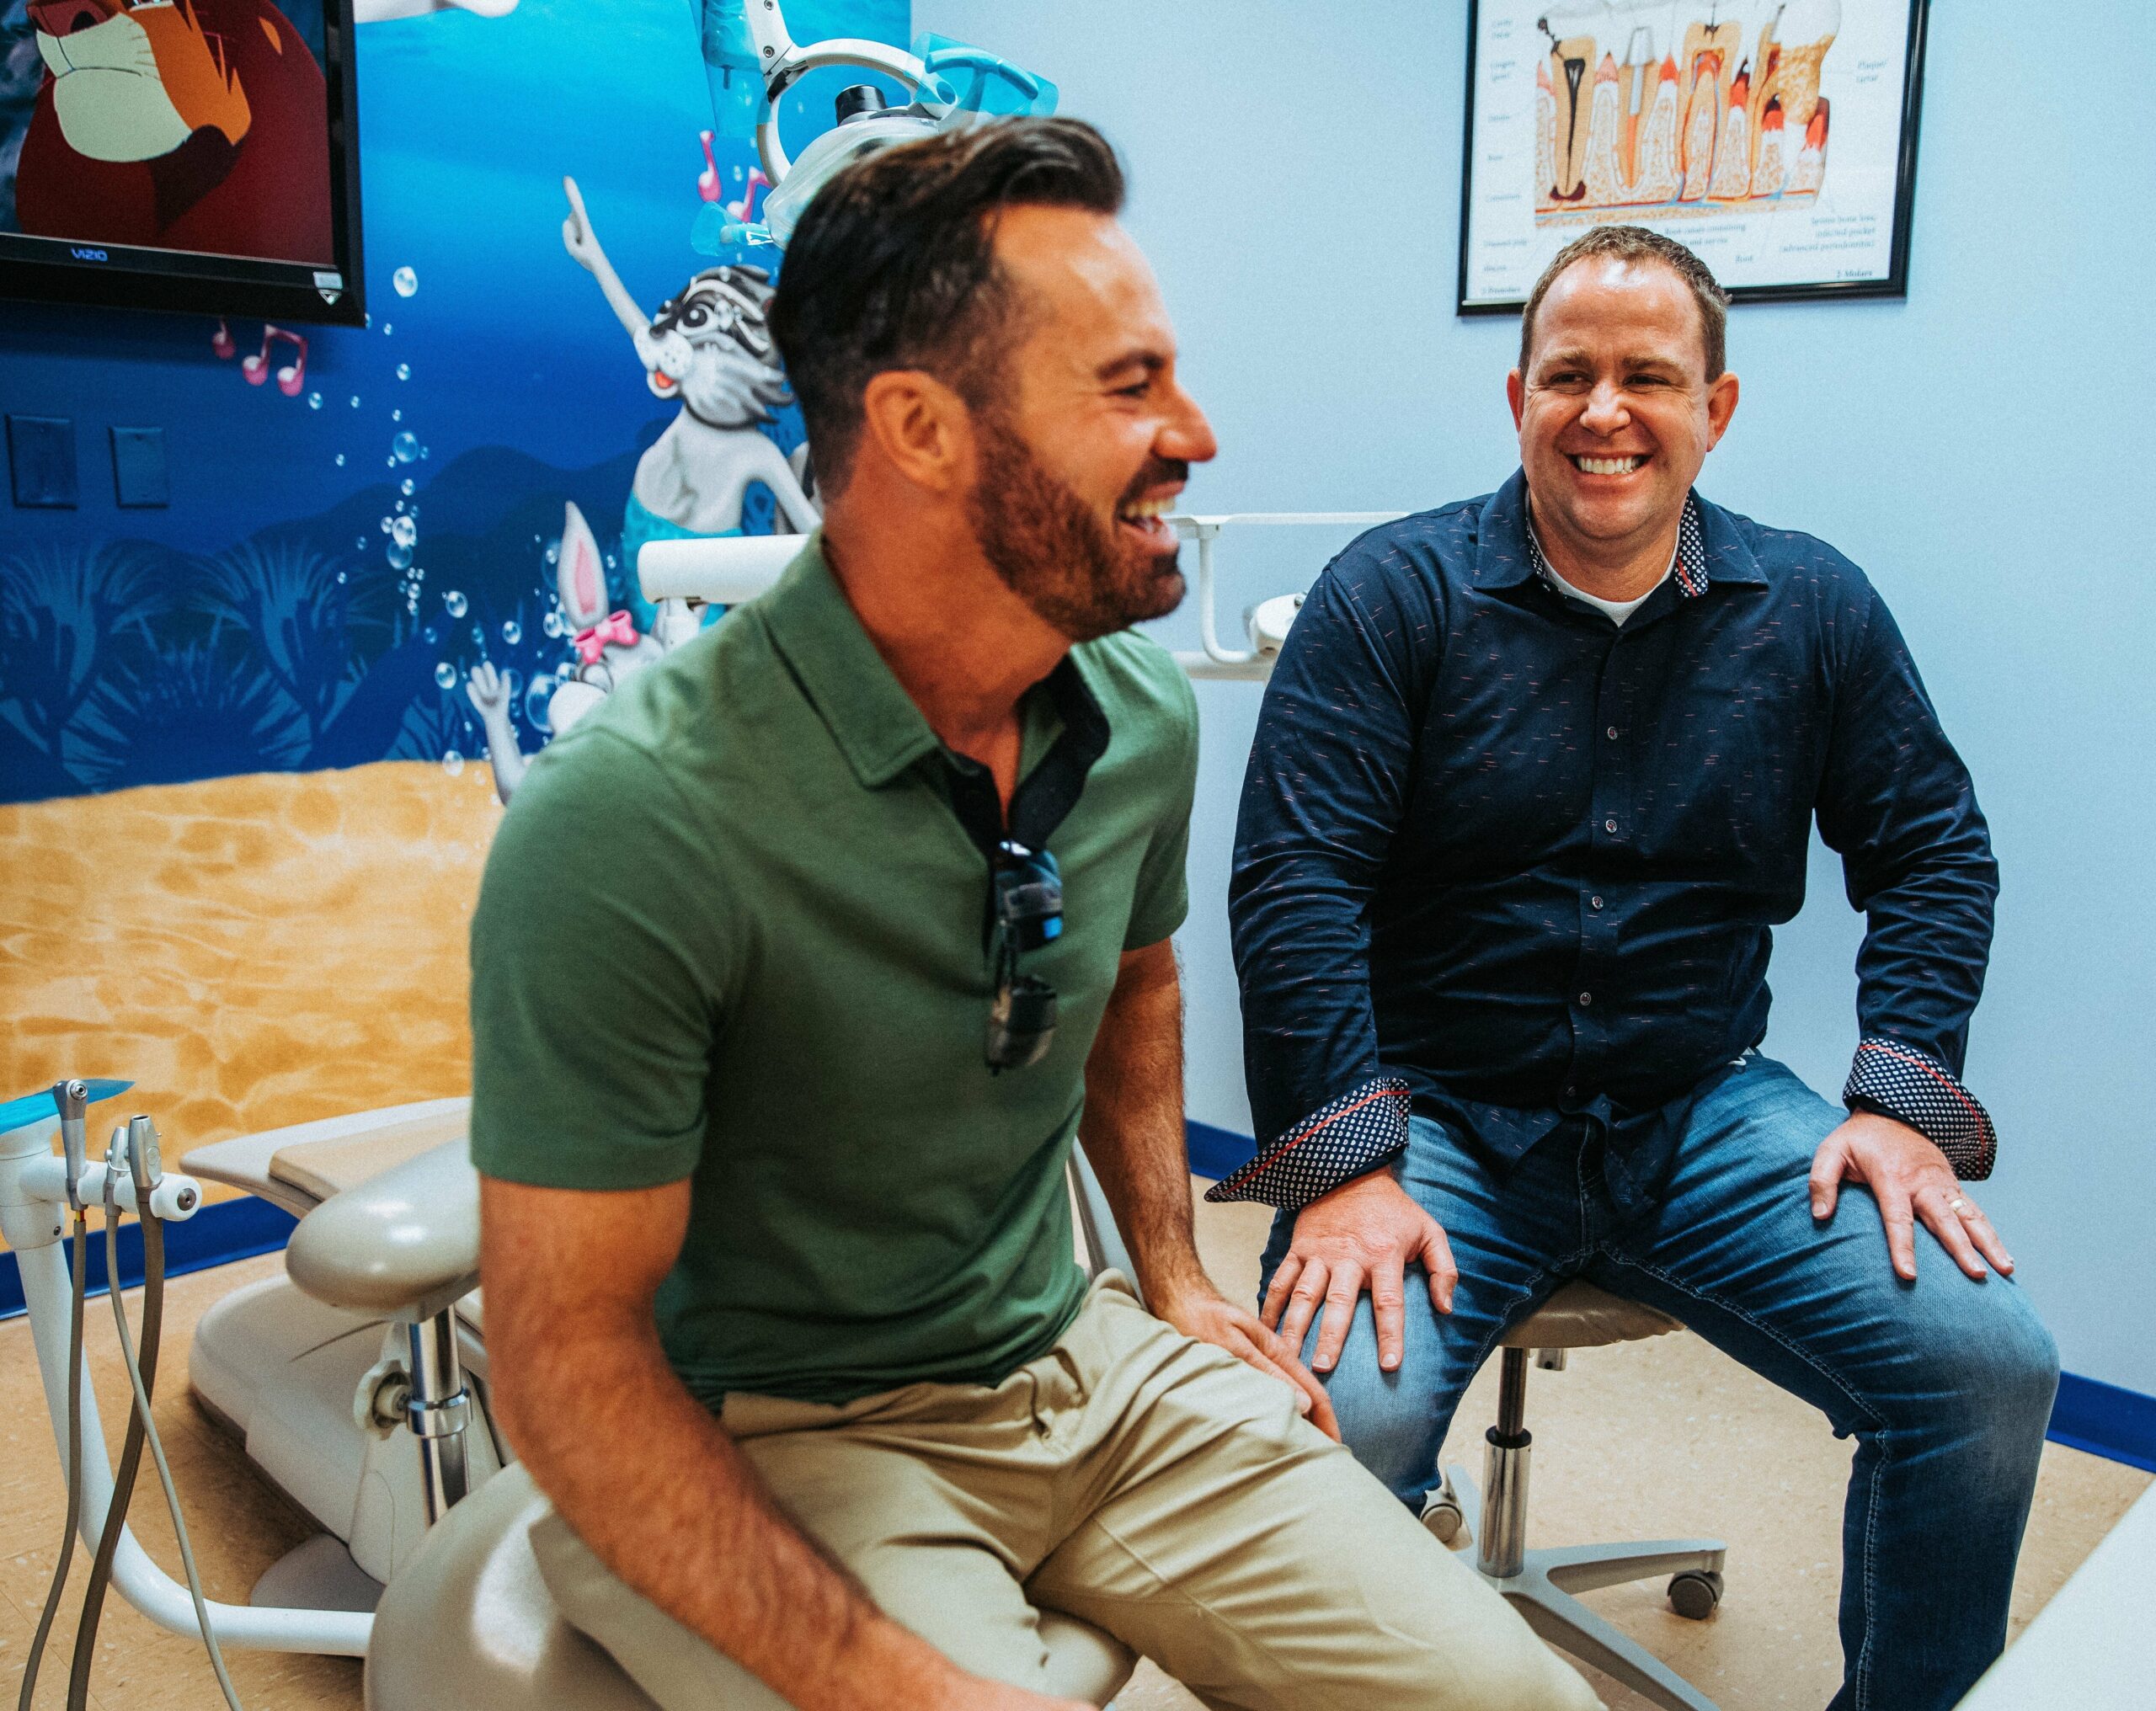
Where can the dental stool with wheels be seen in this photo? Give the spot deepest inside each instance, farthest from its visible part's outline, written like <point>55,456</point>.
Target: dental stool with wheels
<point>466,1618</point>
<point>1540,1583</point>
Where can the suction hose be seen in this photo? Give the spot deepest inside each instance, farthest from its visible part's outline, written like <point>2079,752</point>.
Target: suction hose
<point>130,1449</point>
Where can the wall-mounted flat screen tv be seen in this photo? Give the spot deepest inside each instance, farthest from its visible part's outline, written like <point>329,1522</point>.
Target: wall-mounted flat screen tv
<point>196,155</point>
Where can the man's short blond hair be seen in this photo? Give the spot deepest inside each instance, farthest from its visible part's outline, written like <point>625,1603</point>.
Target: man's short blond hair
<point>1635,244</point>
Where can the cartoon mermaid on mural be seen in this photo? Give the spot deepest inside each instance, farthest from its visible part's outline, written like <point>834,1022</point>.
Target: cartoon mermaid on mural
<point>711,348</point>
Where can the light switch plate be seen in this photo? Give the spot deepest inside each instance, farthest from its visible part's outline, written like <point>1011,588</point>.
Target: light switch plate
<point>139,477</point>
<point>41,462</point>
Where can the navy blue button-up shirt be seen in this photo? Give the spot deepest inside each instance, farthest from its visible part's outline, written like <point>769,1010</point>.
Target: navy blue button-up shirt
<point>1505,860</point>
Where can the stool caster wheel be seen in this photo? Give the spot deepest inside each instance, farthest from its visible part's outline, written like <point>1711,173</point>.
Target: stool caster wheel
<point>1444,1510</point>
<point>1693,1594</point>
<point>1444,1519</point>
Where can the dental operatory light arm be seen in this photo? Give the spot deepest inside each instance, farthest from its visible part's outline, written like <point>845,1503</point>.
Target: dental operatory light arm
<point>751,60</point>
<point>783,60</point>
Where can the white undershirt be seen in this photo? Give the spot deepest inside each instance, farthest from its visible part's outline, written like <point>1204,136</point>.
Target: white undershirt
<point>1615,610</point>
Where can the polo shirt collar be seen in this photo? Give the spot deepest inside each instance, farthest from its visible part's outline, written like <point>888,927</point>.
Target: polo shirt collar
<point>870,715</point>
<point>1709,549</point>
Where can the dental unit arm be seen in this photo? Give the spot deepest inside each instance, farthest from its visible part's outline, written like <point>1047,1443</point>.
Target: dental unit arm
<point>726,572</point>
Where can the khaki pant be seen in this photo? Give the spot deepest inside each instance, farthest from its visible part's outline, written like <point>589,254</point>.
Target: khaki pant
<point>1145,1482</point>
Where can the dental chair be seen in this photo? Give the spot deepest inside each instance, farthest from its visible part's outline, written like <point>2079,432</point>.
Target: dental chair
<point>384,1268</point>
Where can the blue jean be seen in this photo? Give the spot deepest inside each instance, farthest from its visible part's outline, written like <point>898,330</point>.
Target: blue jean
<point>1945,1382</point>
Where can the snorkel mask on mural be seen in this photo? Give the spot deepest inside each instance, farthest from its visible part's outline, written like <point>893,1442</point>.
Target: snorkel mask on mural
<point>750,61</point>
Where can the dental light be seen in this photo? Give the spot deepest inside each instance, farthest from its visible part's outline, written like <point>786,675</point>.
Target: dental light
<point>725,571</point>
<point>750,60</point>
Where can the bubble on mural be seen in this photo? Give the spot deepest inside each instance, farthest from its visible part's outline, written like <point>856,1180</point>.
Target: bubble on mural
<point>406,282</point>
<point>535,701</point>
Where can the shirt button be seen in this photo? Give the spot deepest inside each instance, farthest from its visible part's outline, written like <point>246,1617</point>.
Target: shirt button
<point>1609,825</point>
<point>1611,733</point>
<point>1594,902</point>
<point>1571,1090</point>
<point>1586,998</point>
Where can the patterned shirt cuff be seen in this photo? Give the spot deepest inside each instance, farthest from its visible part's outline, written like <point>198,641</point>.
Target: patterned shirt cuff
<point>1915,1088</point>
<point>1340,1140</point>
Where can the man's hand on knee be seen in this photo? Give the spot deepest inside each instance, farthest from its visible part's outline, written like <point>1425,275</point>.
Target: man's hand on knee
<point>1204,1313</point>
<point>1364,1234</point>
<point>1910,1178</point>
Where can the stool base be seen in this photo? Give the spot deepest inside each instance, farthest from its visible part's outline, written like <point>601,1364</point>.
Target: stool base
<point>1542,1592</point>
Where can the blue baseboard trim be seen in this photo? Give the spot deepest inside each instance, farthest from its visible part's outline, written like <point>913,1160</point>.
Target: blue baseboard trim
<point>1217,1153</point>
<point>229,1230</point>
<point>2104,1420</point>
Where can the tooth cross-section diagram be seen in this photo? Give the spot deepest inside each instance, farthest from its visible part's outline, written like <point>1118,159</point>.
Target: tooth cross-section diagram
<point>1696,108</point>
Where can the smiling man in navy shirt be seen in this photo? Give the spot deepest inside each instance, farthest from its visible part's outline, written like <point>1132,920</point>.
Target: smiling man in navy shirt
<point>1534,780</point>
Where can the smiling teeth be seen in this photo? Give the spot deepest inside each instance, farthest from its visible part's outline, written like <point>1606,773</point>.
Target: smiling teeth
<point>1609,465</point>
<point>1145,509</point>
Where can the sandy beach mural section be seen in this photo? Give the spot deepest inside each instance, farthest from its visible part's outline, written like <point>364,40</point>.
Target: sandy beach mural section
<point>251,951</point>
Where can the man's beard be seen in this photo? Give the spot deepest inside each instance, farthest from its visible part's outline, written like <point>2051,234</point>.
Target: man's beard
<point>1053,552</point>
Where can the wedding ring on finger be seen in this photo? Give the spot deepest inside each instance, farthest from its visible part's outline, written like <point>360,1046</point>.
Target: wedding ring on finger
<point>1962,1208</point>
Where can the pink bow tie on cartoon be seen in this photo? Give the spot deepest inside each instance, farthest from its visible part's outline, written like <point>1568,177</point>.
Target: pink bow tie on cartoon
<point>615,628</point>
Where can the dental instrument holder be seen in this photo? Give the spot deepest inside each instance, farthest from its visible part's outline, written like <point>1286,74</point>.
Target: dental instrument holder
<point>35,1186</point>
<point>72,1098</point>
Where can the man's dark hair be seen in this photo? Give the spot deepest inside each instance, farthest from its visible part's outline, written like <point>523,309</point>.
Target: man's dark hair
<point>1636,243</point>
<point>893,266</point>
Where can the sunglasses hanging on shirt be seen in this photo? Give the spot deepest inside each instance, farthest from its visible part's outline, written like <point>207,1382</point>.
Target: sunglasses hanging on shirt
<point>1026,898</point>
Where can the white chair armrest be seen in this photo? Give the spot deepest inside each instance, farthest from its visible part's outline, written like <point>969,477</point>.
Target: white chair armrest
<point>404,1244</point>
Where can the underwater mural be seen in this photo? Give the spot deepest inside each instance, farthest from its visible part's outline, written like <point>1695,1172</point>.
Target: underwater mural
<point>244,789</point>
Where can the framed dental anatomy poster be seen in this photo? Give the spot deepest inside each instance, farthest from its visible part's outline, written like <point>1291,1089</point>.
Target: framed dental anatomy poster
<point>1776,138</point>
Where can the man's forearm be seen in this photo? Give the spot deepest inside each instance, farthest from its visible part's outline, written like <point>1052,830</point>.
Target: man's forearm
<point>652,1484</point>
<point>1132,1127</point>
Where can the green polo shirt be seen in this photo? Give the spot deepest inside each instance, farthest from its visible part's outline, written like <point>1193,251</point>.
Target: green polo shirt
<point>732,929</point>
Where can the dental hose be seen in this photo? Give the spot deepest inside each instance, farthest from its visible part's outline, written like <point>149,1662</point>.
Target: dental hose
<point>142,1427</point>
<point>130,1449</point>
<point>138,1374</point>
<point>80,1289</point>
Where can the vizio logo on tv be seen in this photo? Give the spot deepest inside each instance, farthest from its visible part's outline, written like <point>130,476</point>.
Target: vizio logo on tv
<point>82,254</point>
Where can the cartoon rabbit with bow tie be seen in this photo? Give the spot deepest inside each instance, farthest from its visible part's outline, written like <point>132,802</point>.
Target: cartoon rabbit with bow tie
<point>608,648</point>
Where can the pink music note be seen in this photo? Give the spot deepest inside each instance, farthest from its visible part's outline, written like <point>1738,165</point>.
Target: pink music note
<point>745,209</point>
<point>221,341</point>
<point>708,180</point>
<point>291,378</point>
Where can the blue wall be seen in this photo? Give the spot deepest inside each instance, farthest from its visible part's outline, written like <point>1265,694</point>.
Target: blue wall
<point>1977,447</point>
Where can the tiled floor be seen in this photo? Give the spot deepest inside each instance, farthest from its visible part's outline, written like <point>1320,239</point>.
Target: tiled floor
<point>1651,1439</point>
